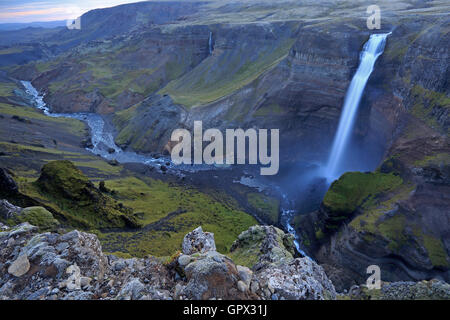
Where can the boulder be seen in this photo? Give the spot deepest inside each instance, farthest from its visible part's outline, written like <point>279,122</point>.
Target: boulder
<point>8,210</point>
<point>402,290</point>
<point>260,246</point>
<point>300,279</point>
<point>213,275</point>
<point>7,184</point>
<point>20,266</point>
<point>198,241</point>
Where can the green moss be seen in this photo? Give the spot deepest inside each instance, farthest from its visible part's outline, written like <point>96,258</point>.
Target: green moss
<point>64,188</point>
<point>373,211</point>
<point>73,126</point>
<point>393,229</point>
<point>377,220</point>
<point>22,149</point>
<point>247,258</point>
<point>424,101</point>
<point>353,188</point>
<point>12,50</point>
<point>436,252</point>
<point>268,207</point>
<point>63,177</point>
<point>168,212</point>
<point>152,199</point>
<point>194,88</point>
<point>435,159</point>
<point>396,51</point>
<point>248,251</point>
<point>37,216</point>
<point>121,118</point>
<point>7,89</point>
<point>319,234</point>
<point>269,109</point>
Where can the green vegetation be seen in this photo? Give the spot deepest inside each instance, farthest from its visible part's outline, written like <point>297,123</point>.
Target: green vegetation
<point>248,251</point>
<point>268,207</point>
<point>16,49</point>
<point>374,210</point>
<point>37,216</point>
<point>353,188</point>
<point>248,257</point>
<point>6,89</point>
<point>436,159</point>
<point>66,190</point>
<point>376,220</point>
<point>73,126</point>
<point>199,87</point>
<point>436,251</point>
<point>424,103</point>
<point>269,109</point>
<point>168,212</point>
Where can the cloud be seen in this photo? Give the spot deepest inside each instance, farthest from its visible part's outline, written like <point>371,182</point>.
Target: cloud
<point>30,11</point>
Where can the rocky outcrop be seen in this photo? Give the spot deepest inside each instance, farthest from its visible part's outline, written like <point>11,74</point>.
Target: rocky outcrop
<point>38,216</point>
<point>299,279</point>
<point>423,290</point>
<point>8,210</point>
<point>262,246</point>
<point>7,184</point>
<point>394,218</point>
<point>62,180</point>
<point>213,276</point>
<point>71,266</point>
<point>198,241</point>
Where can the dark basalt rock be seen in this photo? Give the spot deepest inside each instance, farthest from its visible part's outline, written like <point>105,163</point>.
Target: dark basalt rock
<point>7,184</point>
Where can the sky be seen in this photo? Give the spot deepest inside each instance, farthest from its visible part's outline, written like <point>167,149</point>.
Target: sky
<point>13,11</point>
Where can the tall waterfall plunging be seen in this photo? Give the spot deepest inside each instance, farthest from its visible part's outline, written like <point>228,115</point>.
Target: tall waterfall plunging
<point>371,51</point>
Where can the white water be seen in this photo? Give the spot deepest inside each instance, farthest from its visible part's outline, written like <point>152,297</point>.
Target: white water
<point>372,50</point>
<point>103,140</point>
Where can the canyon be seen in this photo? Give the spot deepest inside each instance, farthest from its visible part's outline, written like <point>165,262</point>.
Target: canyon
<point>147,69</point>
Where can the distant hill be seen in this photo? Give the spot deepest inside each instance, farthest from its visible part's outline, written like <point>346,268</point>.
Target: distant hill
<point>36,24</point>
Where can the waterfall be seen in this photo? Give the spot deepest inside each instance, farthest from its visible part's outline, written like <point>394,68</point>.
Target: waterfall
<point>210,44</point>
<point>371,51</point>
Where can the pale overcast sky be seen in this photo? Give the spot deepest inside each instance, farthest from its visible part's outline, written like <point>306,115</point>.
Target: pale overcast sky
<point>50,10</point>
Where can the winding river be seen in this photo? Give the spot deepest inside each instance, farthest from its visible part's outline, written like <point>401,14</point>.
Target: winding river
<point>103,143</point>
<point>103,140</point>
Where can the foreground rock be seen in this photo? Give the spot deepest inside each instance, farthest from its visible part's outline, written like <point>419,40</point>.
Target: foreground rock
<point>47,265</point>
<point>262,246</point>
<point>72,266</point>
<point>406,290</point>
<point>300,279</point>
<point>198,241</point>
<point>38,216</point>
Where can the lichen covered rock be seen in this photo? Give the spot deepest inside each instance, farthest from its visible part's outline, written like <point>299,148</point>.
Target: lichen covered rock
<point>260,246</point>
<point>402,290</point>
<point>300,279</point>
<point>213,275</point>
<point>198,241</point>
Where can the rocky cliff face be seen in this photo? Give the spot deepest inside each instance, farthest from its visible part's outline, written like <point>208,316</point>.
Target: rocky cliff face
<point>401,226</point>
<point>287,72</point>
